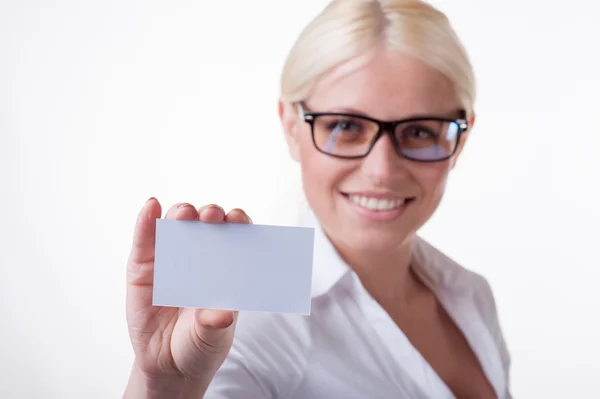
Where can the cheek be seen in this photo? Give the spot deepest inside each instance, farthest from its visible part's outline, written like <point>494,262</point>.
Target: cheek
<point>432,178</point>
<point>311,161</point>
<point>321,174</point>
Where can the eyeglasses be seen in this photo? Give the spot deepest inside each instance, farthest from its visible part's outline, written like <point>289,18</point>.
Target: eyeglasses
<point>342,135</point>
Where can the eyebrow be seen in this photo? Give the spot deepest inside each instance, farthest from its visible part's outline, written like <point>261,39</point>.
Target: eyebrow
<point>345,110</point>
<point>337,110</point>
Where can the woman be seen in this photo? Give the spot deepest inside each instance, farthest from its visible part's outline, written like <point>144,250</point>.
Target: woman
<point>377,104</point>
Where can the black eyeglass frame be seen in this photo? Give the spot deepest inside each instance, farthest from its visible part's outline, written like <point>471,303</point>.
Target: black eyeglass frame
<point>385,127</point>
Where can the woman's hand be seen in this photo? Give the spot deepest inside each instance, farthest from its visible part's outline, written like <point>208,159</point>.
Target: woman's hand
<point>173,345</point>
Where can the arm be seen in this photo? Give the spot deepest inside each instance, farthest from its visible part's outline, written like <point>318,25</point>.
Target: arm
<point>233,381</point>
<point>143,387</point>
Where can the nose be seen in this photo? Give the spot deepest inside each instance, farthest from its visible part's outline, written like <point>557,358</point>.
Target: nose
<point>383,163</point>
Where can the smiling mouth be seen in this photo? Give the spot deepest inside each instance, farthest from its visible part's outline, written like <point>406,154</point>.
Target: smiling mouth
<point>378,204</point>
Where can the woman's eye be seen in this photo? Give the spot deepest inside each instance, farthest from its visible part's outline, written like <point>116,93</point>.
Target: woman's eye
<point>419,133</point>
<point>346,125</point>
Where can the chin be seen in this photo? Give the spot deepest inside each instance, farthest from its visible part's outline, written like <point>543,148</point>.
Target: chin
<point>365,225</point>
<point>369,238</point>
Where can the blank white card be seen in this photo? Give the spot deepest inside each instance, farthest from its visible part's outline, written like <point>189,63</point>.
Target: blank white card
<point>233,266</point>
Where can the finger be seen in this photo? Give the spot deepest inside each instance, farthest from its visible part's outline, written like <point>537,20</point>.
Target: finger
<point>237,216</point>
<point>144,233</point>
<point>141,261</point>
<point>211,214</point>
<point>140,268</point>
<point>182,211</point>
<point>211,332</point>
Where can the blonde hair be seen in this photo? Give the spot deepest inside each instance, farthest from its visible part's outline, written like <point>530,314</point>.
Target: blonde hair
<point>348,29</point>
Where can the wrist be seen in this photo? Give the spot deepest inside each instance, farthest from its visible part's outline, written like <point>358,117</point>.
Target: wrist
<point>142,386</point>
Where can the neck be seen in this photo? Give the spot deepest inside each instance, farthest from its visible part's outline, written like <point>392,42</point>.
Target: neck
<point>386,275</point>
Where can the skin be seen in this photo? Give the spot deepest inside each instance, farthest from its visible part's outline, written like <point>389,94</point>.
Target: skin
<point>178,351</point>
<point>391,86</point>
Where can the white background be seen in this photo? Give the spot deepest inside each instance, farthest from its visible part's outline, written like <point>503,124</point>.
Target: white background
<point>104,104</point>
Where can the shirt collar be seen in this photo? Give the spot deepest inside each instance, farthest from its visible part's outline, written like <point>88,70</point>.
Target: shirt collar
<point>328,266</point>
<point>438,269</point>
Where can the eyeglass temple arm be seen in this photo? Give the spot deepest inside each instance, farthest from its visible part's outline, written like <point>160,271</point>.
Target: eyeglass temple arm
<point>300,109</point>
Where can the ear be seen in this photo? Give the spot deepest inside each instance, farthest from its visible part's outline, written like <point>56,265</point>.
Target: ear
<point>289,121</point>
<point>463,140</point>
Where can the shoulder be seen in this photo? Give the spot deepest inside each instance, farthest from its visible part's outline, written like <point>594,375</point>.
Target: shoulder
<point>267,358</point>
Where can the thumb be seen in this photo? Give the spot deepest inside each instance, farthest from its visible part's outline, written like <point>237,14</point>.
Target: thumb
<point>215,319</point>
<point>214,330</point>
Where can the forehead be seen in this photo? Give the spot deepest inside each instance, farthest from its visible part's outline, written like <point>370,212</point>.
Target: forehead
<point>385,85</point>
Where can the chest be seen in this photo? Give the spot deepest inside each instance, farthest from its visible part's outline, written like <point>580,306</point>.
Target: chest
<point>363,351</point>
<point>442,345</point>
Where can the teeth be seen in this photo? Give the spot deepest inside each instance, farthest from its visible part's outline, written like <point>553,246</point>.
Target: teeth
<point>375,204</point>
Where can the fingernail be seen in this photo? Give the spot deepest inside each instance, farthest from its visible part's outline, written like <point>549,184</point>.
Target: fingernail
<point>248,218</point>
<point>213,206</point>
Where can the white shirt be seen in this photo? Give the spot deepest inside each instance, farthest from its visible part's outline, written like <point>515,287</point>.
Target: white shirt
<point>349,347</point>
